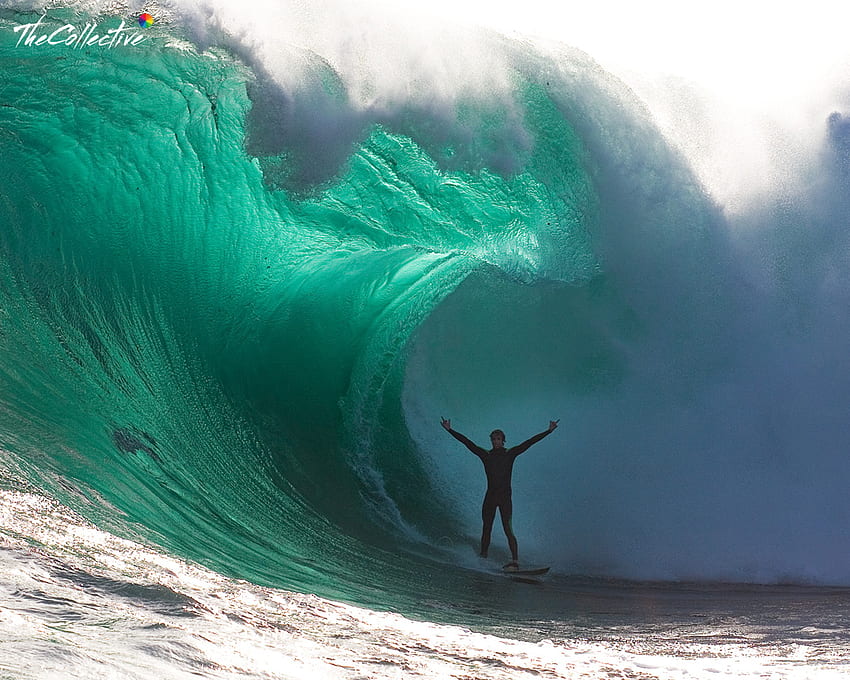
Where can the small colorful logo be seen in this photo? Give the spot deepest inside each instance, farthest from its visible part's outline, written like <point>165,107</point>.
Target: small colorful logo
<point>145,20</point>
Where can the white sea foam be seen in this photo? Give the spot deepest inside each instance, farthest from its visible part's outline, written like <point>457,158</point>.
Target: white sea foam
<point>76,602</point>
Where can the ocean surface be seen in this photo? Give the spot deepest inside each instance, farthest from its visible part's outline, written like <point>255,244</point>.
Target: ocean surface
<point>244,271</point>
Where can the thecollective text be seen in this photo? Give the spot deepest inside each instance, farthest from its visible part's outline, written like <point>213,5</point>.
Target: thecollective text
<point>34,35</point>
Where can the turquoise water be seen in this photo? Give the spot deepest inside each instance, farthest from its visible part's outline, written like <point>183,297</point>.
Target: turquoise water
<point>232,314</point>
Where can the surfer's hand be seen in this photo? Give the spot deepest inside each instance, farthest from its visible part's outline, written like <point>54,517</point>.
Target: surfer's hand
<point>553,424</point>
<point>447,424</point>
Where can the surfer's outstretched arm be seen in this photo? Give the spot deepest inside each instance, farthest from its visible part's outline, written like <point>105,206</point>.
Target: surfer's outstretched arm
<point>528,443</point>
<point>477,450</point>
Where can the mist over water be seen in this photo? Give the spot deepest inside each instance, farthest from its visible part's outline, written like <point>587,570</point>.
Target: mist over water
<point>707,441</point>
<point>235,337</point>
<point>712,443</point>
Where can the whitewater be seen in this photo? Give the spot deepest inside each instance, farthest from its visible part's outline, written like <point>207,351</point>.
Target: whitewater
<point>250,256</point>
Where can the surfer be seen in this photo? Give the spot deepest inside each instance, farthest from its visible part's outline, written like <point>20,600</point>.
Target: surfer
<point>498,466</point>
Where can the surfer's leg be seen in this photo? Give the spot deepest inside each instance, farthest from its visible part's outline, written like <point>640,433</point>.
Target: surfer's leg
<point>506,510</point>
<point>488,514</point>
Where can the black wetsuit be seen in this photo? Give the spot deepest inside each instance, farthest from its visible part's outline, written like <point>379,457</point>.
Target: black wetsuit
<point>498,465</point>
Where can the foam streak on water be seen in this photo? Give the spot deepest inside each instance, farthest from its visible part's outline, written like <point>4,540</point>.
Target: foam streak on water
<point>76,602</point>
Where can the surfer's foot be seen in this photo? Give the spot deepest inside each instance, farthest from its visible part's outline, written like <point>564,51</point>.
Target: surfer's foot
<point>483,555</point>
<point>511,566</point>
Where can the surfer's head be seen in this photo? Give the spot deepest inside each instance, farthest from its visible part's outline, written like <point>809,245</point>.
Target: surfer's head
<point>497,438</point>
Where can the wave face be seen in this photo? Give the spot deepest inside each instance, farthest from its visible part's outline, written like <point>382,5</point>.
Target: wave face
<point>235,307</point>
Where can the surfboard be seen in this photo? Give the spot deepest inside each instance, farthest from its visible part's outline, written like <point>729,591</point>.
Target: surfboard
<point>539,571</point>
